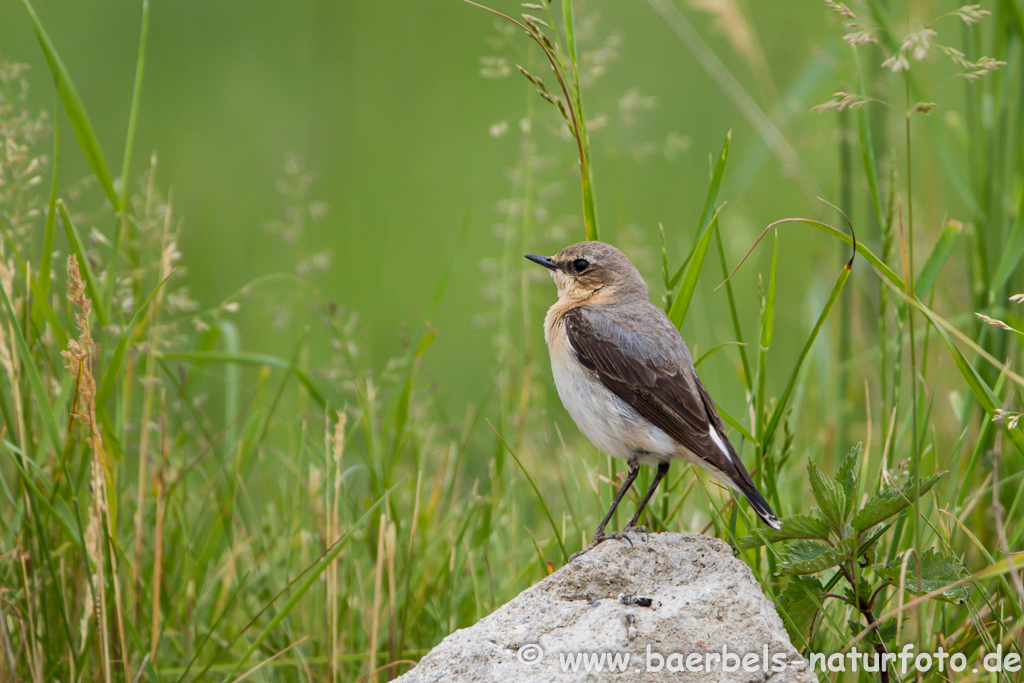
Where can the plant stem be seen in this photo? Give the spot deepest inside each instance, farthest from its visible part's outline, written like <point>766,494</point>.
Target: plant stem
<point>865,609</point>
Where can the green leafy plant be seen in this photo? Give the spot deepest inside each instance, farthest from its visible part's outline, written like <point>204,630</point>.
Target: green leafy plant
<point>847,538</point>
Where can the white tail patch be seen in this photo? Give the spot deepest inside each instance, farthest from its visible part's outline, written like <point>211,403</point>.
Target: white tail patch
<point>718,442</point>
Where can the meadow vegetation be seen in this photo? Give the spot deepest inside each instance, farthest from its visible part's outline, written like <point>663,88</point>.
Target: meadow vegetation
<point>175,507</point>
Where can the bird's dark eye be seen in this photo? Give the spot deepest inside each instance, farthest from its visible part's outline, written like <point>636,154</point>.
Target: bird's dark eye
<point>580,264</point>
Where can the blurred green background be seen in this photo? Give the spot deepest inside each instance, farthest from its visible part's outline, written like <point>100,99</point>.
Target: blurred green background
<point>387,161</point>
<point>385,106</point>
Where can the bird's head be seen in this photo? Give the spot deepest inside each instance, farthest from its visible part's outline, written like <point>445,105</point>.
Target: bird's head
<point>593,271</point>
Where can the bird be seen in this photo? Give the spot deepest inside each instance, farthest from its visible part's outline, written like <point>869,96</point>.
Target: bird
<point>626,377</point>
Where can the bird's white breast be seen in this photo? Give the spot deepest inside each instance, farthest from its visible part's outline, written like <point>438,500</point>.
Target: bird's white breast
<point>610,423</point>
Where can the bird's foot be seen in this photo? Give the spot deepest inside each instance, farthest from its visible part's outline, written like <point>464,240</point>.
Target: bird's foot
<point>638,529</point>
<point>599,538</point>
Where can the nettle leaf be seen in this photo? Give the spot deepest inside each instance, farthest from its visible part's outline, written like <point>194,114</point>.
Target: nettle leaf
<point>799,603</point>
<point>810,557</point>
<point>847,477</point>
<point>863,587</point>
<point>890,501</point>
<point>794,526</point>
<point>803,551</point>
<point>937,571</point>
<point>886,631</point>
<point>830,497</point>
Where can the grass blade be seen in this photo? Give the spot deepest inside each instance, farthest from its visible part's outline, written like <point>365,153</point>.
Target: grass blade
<point>317,569</point>
<point>45,259</point>
<point>75,111</point>
<point>709,211</point>
<point>735,424</point>
<point>249,359</point>
<point>35,381</point>
<point>713,350</point>
<point>543,504</point>
<point>986,397</point>
<point>692,267</point>
<point>783,400</point>
<point>75,242</point>
<point>61,514</point>
<point>737,330</point>
<point>133,116</point>
<point>768,321</point>
<point>114,366</point>
<point>867,148</point>
<point>41,309</point>
<point>213,629</point>
<point>14,247</point>
<point>405,398</point>
<point>943,248</point>
<point>1013,252</point>
<point>586,175</point>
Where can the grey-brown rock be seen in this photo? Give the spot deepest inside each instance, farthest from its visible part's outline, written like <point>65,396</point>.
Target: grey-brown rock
<point>676,607</point>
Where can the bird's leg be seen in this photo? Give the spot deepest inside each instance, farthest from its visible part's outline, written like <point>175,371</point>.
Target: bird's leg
<point>600,535</point>
<point>632,526</point>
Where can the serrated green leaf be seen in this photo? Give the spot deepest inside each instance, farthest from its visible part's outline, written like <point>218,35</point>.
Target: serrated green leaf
<point>884,504</point>
<point>803,551</point>
<point>809,557</point>
<point>886,631</point>
<point>937,571</point>
<point>890,501</point>
<point>847,477</point>
<point>864,589</point>
<point>794,526</point>
<point>830,497</point>
<point>799,603</point>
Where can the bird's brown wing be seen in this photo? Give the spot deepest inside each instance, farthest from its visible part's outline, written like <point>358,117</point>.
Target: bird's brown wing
<point>654,374</point>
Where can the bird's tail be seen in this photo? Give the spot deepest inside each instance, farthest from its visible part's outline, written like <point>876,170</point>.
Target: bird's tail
<point>761,506</point>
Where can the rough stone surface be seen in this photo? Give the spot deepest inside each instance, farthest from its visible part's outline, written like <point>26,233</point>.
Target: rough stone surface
<point>702,599</point>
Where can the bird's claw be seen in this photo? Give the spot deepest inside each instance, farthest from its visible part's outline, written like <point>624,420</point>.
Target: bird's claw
<point>599,538</point>
<point>638,529</point>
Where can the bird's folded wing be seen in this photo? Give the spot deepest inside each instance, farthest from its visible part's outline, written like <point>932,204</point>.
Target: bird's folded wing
<point>657,382</point>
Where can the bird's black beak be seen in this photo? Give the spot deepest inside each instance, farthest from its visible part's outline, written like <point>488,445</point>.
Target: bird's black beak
<point>543,260</point>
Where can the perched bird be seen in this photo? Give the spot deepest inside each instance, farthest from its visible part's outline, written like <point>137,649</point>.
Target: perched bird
<point>626,377</point>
